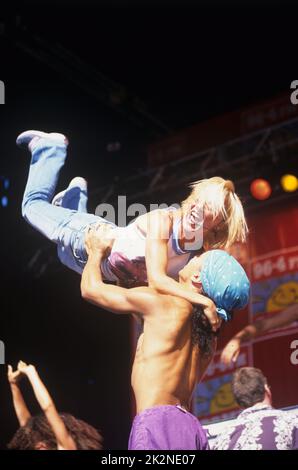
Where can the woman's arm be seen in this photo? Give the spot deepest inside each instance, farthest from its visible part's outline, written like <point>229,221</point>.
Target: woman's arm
<point>20,407</point>
<point>158,231</point>
<point>64,439</point>
<point>231,351</point>
<point>116,299</point>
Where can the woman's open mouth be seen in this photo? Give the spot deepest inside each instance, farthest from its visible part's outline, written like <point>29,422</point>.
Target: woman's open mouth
<point>196,284</point>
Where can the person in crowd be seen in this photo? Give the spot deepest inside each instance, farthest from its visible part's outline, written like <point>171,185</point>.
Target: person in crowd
<point>50,430</point>
<point>259,426</point>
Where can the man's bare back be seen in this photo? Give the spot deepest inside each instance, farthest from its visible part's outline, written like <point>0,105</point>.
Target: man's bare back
<point>167,363</point>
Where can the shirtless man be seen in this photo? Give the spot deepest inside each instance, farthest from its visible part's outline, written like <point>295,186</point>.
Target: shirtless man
<point>176,345</point>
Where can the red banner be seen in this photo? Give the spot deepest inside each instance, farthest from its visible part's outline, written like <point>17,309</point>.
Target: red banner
<point>271,261</point>
<point>221,129</point>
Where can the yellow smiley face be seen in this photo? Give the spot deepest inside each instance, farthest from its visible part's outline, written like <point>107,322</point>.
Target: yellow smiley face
<point>223,400</point>
<point>283,296</point>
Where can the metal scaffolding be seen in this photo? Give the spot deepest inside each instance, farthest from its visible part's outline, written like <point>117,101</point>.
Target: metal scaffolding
<point>262,153</point>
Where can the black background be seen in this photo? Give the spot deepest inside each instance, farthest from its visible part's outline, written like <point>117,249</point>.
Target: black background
<point>186,63</point>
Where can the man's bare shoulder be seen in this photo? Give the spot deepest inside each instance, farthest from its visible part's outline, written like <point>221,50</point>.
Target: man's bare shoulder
<point>164,301</point>
<point>173,303</point>
<point>153,298</point>
<point>179,303</point>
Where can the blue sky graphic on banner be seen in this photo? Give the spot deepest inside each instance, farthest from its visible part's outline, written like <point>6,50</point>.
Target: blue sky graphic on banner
<point>214,396</point>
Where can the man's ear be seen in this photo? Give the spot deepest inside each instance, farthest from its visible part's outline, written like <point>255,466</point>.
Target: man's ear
<point>268,391</point>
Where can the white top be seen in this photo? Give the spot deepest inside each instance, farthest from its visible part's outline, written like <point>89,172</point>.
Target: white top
<point>127,259</point>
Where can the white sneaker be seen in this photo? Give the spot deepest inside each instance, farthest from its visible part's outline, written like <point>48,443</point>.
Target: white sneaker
<point>30,138</point>
<point>64,198</point>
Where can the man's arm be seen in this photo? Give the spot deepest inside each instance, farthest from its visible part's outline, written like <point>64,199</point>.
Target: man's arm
<point>20,407</point>
<point>139,300</point>
<point>158,229</point>
<point>63,438</point>
<point>231,351</point>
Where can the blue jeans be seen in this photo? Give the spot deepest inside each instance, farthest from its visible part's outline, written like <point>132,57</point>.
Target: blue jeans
<point>63,226</point>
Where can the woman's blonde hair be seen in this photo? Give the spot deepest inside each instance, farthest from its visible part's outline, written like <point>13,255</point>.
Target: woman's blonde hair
<point>220,197</point>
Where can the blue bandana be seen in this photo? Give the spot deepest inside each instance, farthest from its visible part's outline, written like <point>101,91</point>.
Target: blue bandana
<point>225,282</point>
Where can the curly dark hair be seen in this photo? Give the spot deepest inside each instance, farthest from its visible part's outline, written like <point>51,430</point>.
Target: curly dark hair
<point>201,331</point>
<point>38,430</point>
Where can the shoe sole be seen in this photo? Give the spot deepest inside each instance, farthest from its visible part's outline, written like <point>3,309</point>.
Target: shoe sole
<point>25,138</point>
<point>58,198</point>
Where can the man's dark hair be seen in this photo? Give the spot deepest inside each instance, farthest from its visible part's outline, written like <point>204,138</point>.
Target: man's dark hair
<point>38,430</point>
<point>201,331</point>
<point>248,385</point>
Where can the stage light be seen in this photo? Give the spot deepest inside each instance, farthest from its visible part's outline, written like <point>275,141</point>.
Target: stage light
<point>4,201</point>
<point>289,183</point>
<point>260,189</point>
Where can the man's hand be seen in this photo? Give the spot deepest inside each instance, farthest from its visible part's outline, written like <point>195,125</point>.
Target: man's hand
<point>231,351</point>
<point>25,369</point>
<point>13,376</point>
<point>211,314</point>
<point>99,239</point>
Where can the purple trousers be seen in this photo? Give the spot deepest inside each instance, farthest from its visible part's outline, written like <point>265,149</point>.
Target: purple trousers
<point>167,427</point>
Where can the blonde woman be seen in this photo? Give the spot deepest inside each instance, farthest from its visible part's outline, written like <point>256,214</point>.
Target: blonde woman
<point>151,250</point>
